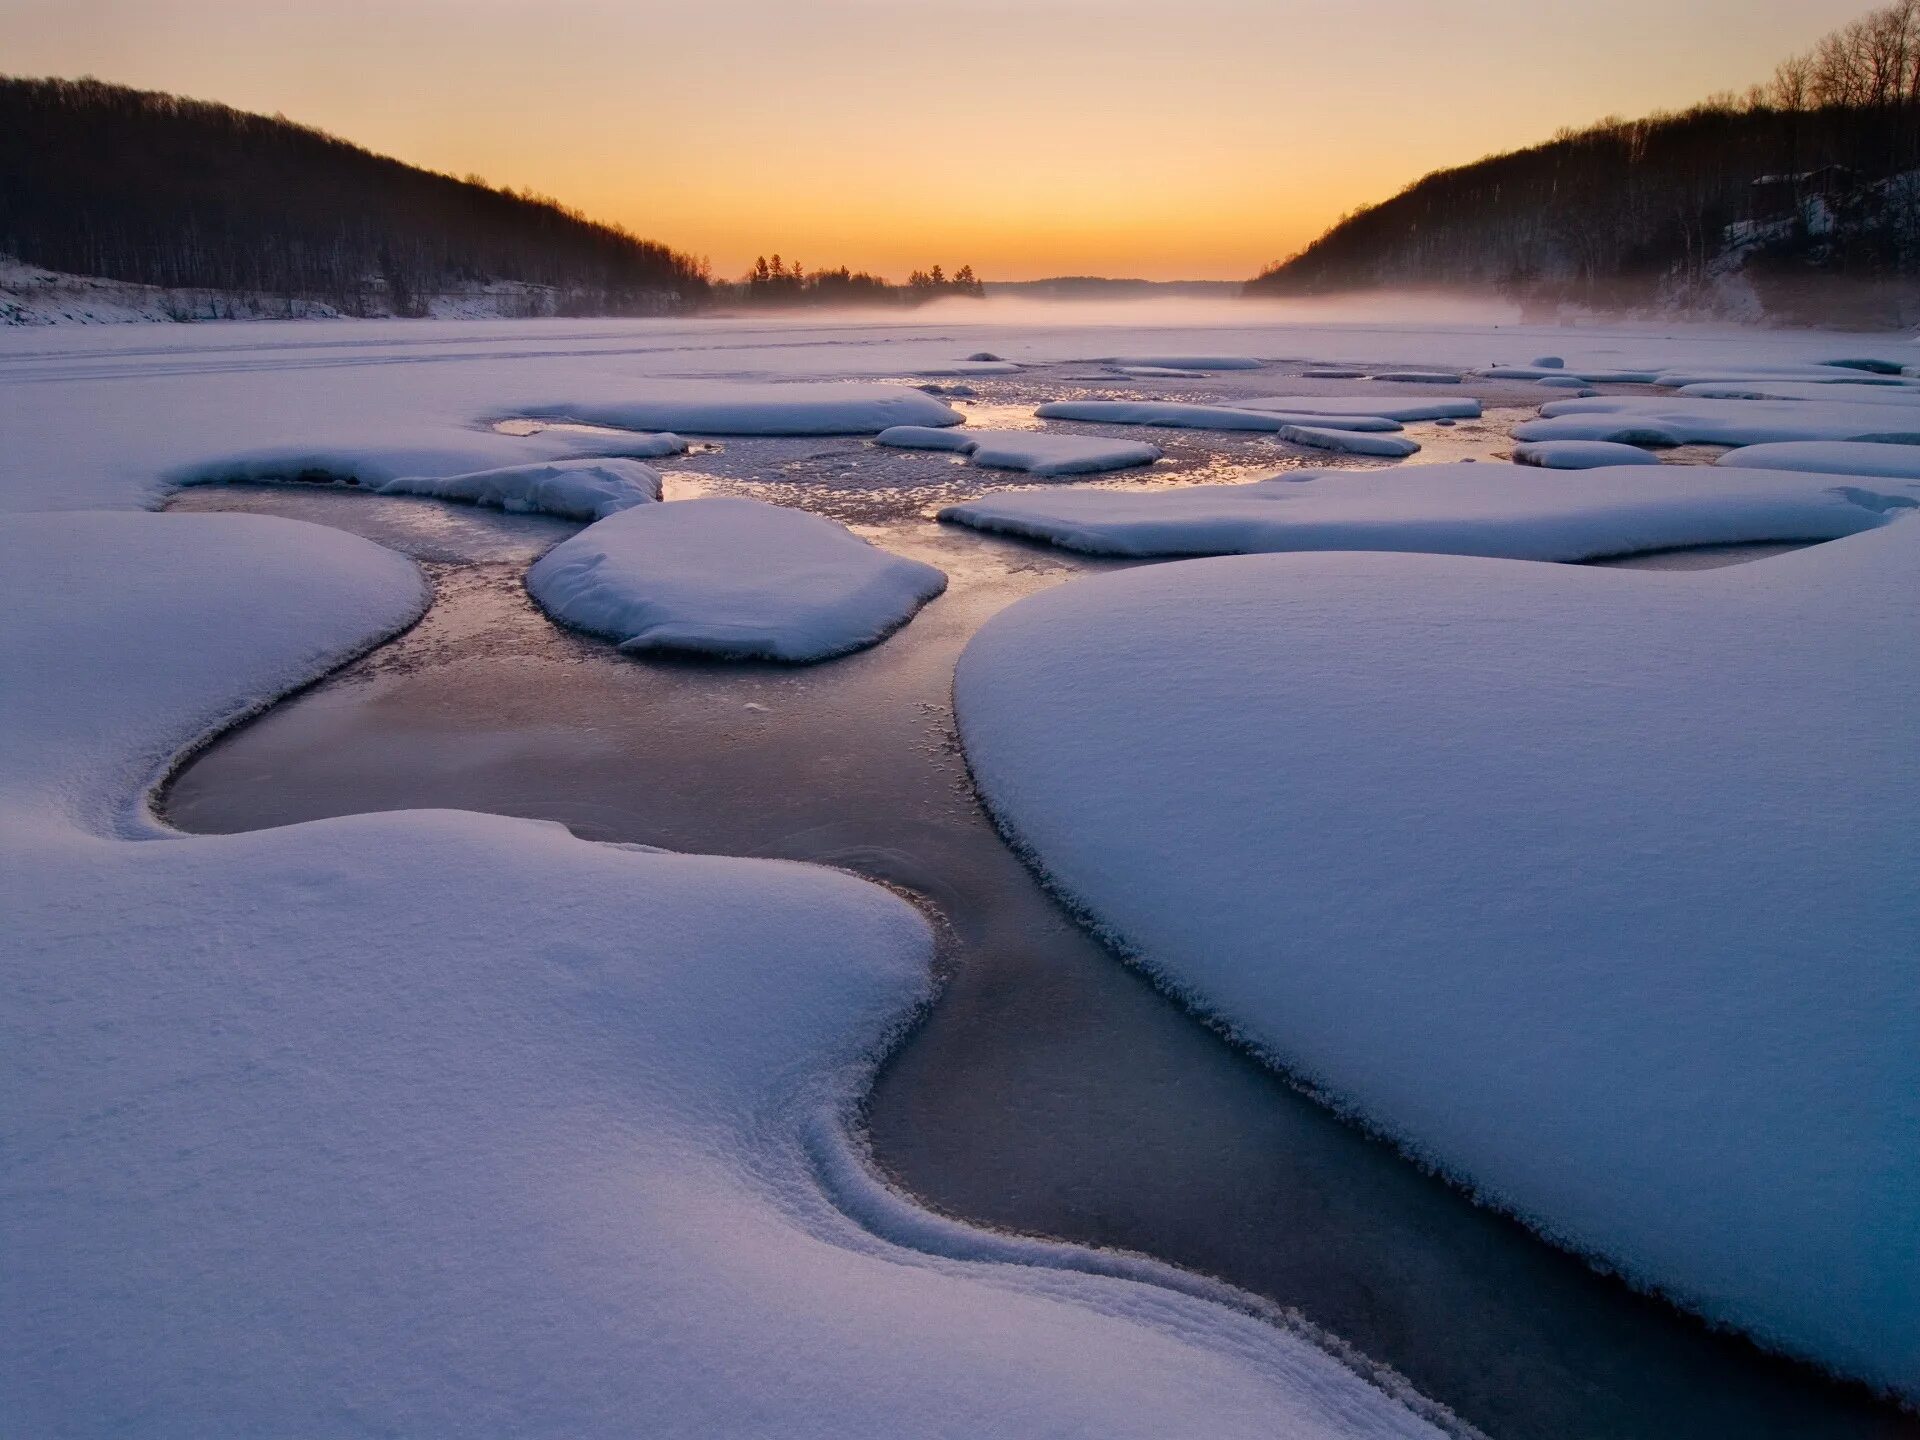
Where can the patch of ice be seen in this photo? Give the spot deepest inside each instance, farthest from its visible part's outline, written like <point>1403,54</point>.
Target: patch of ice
<point>1175,414</point>
<point>1326,405</point>
<point>1160,372</point>
<point>730,577</point>
<point>1042,452</point>
<point>732,407</point>
<point>1579,454</point>
<point>437,1124</point>
<point>1593,888</point>
<point>1590,376</point>
<point>1830,457</point>
<point>1332,372</point>
<point>1664,421</point>
<point>1508,511</point>
<point>1417,377</point>
<point>1352,442</point>
<point>1189,362</point>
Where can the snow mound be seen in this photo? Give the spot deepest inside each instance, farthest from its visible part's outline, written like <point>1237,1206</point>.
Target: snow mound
<point>1550,362</point>
<point>1664,421</point>
<point>1418,377</point>
<point>731,407</point>
<point>1188,362</point>
<point>735,578</point>
<point>1830,457</point>
<point>1325,405</point>
<point>1352,442</point>
<point>1039,451</point>
<point>1564,382</point>
<point>1507,511</point>
<point>1177,415</point>
<point>438,1124</point>
<point>1593,888</point>
<point>1579,454</point>
<point>565,442</point>
<point>583,489</point>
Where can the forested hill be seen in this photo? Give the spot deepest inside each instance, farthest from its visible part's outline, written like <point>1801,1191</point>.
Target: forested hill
<point>134,185</point>
<point>1810,177</point>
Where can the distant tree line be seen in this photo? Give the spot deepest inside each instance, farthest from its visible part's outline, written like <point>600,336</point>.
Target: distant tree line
<point>1818,170</point>
<point>775,283</point>
<point>99,179</point>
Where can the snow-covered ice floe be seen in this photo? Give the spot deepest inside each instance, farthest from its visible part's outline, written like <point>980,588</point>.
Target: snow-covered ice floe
<point>730,577</point>
<point>1332,372</point>
<point>1041,452</point>
<point>1418,377</point>
<point>1592,888</point>
<point>433,1123</point>
<point>1352,442</point>
<point>1187,362</point>
<point>1323,406</point>
<point>1160,372</point>
<point>1830,457</point>
<point>580,489</point>
<point>970,367</point>
<point>1591,376</point>
<point>1580,454</point>
<point>1509,511</point>
<point>1178,415</point>
<point>1666,421</point>
<point>1867,391</point>
<point>732,407</point>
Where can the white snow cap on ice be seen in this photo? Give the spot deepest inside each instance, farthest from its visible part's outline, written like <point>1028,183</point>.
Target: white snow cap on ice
<point>1867,392</point>
<point>436,1124</point>
<point>1593,888</point>
<point>734,407</point>
<point>1325,405</point>
<point>1352,442</point>
<point>1175,414</point>
<point>1579,454</point>
<point>1663,421</point>
<point>1042,452</point>
<point>1418,377</point>
<point>1830,457</point>
<point>730,577</point>
<point>1511,511</point>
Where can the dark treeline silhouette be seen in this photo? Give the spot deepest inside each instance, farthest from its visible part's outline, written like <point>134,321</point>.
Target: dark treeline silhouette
<point>1815,173</point>
<point>774,283</point>
<point>98,179</point>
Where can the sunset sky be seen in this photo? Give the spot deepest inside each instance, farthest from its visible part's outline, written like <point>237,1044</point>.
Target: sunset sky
<point>1197,139</point>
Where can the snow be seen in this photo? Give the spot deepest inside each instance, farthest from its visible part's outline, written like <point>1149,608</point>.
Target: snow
<point>735,578</point>
<point>1318,437</point>
<point>1200,417</point>
<point>1659,420</point>
<point>1564,382</point>
<point>1040,451</point>
<point>587,441</point>
<point>1418,377</point>
<point>1579,454</point>
<point>1509,511</point>
<point>1327,405</point>
<point>1187,362</point>
<point>436,1123</point>
<point>1832,457</point>
<point>728,407</point>
<point>970,367</point>
<point>1159,372</point>
<point>1550,362</point>
<point>1332,372</point>
<point>583,489</point>
<point>1825,391</point>
<point>1599,376</point>
<point>1592,888</point>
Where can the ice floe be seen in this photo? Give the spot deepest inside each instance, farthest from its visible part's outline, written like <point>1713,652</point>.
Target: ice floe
<point>1666,421</point>
<point>1352,442</point>
<point>1160,372</point>
<point>1042,452</point>
<point>1830,457</point>
<point>1178,415</point>
<point>1580,454</point>
<point>433,1123</point>
<point>970,367</point>
<point>1509,511</point>
<point>1332,372</point>
<point>1188,362</point>
<point>1593,376</point>
<point>1592,888</point>
<point>730,577</point>
<point>1826,392</point>
<point>1324,405</point>
<point>733,407</point>
<point>1418,377</point>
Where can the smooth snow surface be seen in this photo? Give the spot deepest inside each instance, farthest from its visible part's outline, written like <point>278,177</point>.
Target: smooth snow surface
<point>1663,421</point>
<point>1830,457</point>
<point>1042,452</point>
<point>1861,390</point>
<point>1579,454</point>
<point>1510,511</point>
<point>1327,405</point>
<point>1176,414</point>
<point>430,1123</point>
<point>1353,442</point>
<point>1594,888</point>
<point>730,407</point>
<point>731,577</point>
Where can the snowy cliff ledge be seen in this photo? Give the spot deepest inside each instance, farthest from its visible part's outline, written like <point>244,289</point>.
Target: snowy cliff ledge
<point>730,577</point>
<point>1592,888</point>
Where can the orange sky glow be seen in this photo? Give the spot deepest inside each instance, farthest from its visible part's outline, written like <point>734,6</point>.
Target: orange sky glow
<point>1194,140</point>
